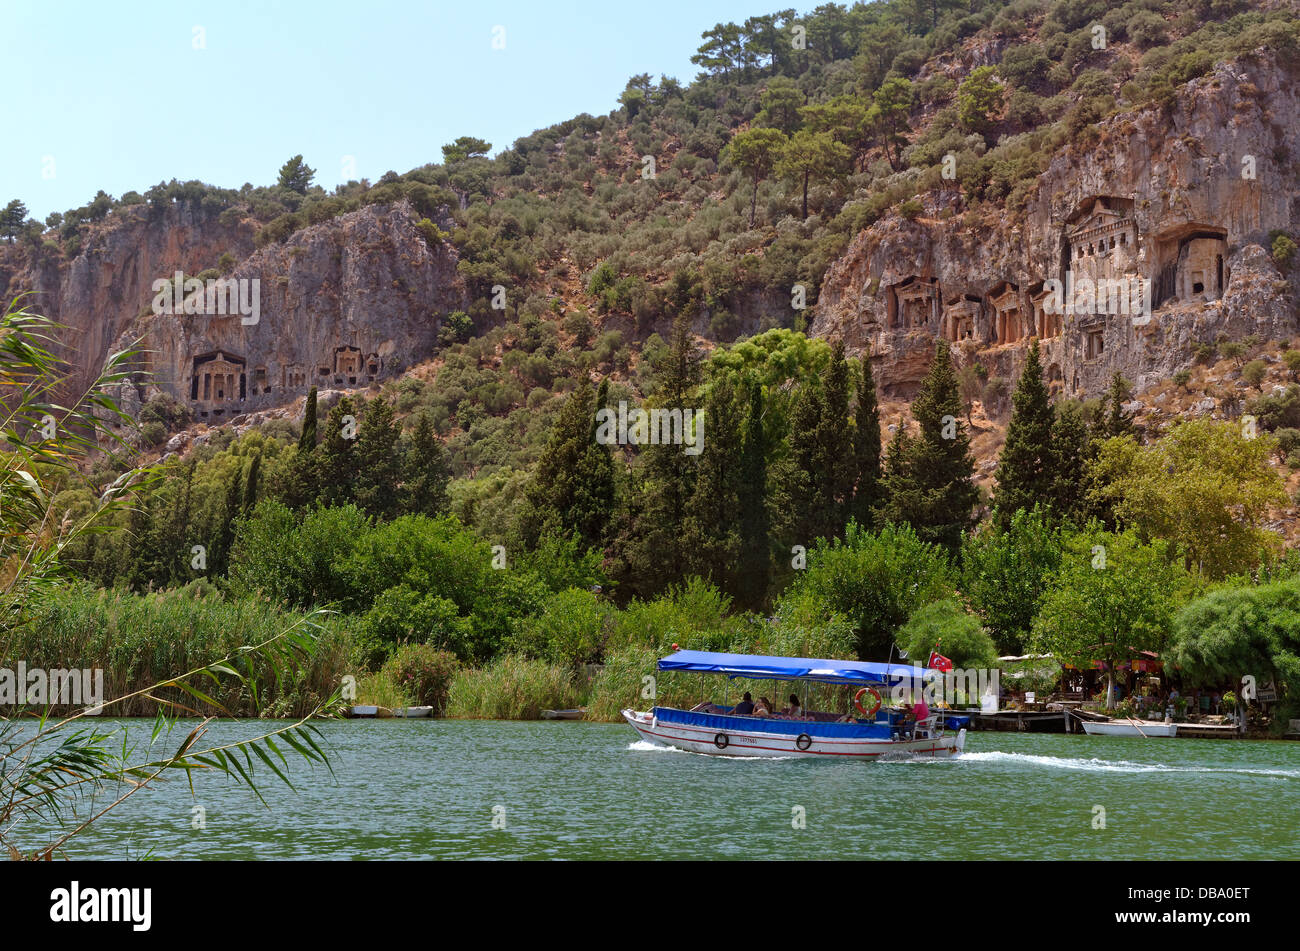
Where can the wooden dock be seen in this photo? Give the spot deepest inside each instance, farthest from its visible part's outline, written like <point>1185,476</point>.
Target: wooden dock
<point>1209,731</point>
<point>1022,721</point>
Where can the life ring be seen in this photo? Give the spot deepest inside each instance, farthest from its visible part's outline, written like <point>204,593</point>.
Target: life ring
<point>804,741</point>
<point>721,741</point>
<point>857,701</point>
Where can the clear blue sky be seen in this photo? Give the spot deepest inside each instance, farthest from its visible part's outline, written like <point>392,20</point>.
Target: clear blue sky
<point>116,96</point>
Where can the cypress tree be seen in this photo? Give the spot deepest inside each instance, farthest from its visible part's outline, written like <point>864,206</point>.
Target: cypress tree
<point>307,440</point>
<point>657,553</point>
<point>252,486</point>
<point>425,473</point>
<point>1118,422</point>
<point>835,433</point>
<point>807,488</point>
<point>593,513</point>
<point>1071,452</point>
<point>1025,471</point>
<point>712,526</point>
<point>335,464</point>
<point>378,462</point>
<point>931,487</point>
<point>302,487</point>
<point>225,536</point>
<point>866,447</point>
<point>754,564</point>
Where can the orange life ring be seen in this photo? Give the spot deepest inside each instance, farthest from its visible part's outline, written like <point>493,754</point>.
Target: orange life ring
<point>857,701</point>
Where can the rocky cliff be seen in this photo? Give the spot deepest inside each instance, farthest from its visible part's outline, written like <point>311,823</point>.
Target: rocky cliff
<point>1166,218</point>
<point>345,302</point>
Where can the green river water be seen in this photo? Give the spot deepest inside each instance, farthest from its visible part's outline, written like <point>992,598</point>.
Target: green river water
<point>564,790</point>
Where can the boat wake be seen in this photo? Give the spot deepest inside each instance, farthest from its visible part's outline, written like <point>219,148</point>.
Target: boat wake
<point>1116,766</point>
<point>645,746</point>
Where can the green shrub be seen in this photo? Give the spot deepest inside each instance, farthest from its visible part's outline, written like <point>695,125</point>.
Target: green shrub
<point>401,615</point>
<point>570,631</point>
<point>1283,249</point>
<point>1254,372</point>
<point>423,673</point>
<point>947,627</point>
<point>1277,411</point>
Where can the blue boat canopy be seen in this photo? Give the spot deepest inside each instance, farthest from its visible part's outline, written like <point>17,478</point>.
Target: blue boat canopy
<point>793,668</point>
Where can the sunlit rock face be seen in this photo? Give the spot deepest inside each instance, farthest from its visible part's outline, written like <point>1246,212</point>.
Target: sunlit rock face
<point>1154,239</point>
<point>343,303</point>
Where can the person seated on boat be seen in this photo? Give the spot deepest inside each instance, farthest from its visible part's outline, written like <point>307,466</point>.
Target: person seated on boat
<point>746,706</point>
<point>794,711</point>
<point>922,709</point>
<point>763,708</point>
<point>906,718</point>
<point>706,706</point>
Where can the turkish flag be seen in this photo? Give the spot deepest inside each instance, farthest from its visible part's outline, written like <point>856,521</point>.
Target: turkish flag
<point>939,662</point>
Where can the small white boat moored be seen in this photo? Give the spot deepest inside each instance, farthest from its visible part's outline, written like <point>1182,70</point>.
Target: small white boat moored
<point>413,713</point>
<point>1140,728</point>
<point>876,734</point>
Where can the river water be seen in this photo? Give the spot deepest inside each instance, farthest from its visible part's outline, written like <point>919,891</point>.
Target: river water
<point>411,789</point>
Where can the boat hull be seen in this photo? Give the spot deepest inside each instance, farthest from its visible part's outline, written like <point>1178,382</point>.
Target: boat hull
<point>733,740</point>
<point>1130,729</point>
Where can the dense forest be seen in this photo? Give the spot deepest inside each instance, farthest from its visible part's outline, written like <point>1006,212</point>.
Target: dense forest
<point>478,544</point>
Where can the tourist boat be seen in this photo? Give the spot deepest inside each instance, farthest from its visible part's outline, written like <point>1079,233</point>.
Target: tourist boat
<point>1129,728</point>
<point>878,733</point>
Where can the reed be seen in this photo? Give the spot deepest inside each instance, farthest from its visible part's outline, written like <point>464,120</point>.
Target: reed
<point>378,689</point>
<point>138,640</point>
<point>511,687</point>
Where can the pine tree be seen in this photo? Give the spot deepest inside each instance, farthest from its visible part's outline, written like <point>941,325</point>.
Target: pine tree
<point>931,486</point>
<point>754,564</point>
<point>1025,471</point>
<point>378,462</point>
<point>572,489</point>
<point>296,175</point>
<point>866,447</point>
<point>425,473</point>
<point>897,491</point>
